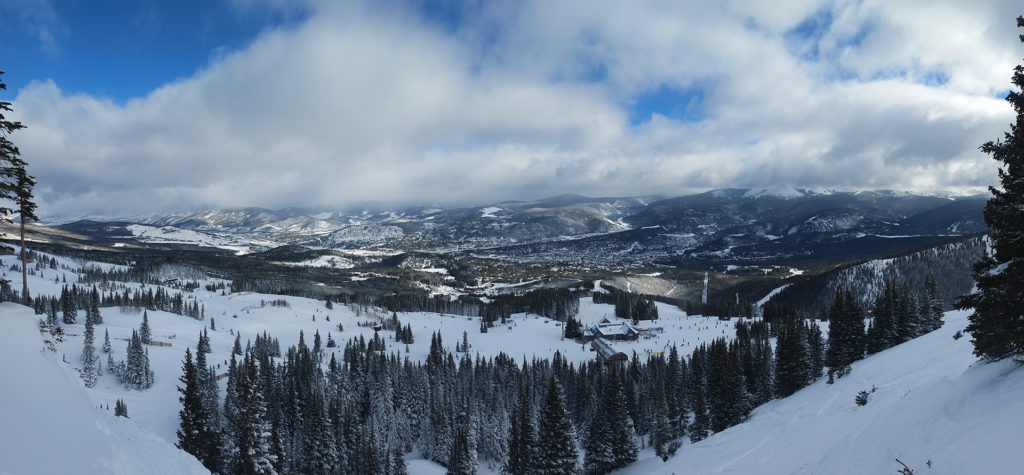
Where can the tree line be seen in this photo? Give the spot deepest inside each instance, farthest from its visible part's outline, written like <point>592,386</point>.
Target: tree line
<point>310,412</point>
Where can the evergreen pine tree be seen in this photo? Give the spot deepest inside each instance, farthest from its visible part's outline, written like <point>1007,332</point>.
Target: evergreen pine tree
<point>106,341</point>
<point>209,417</point>
<point>144,331</point>
<point>67,305</point>
<point>701,422</point>
<point>191,413</point>
<point>556,437</point>
<point>51,315</point>
<point>137,374</point>
<point>204,344</point>
<point>15,185</point>
<point>89,358</point>
<point>611,441</point>
<point>398,464</point>
<point>661,434</point>
<point>253,437</point>
<point>997,321</point>
<point>120,409</point>
<point>933,305</point>
<point>94,307</point>
<point>26,213</point>
<point>845,334</point>
<point>522,437</point>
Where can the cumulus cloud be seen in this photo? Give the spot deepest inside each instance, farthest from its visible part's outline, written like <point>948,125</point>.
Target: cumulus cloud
<point>381,103</point>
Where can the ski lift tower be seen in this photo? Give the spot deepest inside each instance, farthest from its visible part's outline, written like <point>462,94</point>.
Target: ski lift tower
<point>704,296</point>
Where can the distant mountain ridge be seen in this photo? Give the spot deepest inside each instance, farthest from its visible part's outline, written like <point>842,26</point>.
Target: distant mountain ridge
<point>740,224</point>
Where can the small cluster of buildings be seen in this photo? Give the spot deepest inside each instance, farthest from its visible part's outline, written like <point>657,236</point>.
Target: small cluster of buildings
<point>613,331</point>
<point>601,336</point>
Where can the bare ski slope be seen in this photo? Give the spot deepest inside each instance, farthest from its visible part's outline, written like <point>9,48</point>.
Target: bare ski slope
<point>934,402</point>
<point>48,425</point>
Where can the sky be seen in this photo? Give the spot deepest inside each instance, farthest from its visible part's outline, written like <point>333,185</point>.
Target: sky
<point>136,107</point>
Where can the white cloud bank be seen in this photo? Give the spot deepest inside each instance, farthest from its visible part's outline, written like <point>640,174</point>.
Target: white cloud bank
<point>517,100</point>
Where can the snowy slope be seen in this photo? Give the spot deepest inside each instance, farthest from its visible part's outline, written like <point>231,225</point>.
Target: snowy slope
<point>50,426</point>
<point>246,313</point>
<point>934,403</point>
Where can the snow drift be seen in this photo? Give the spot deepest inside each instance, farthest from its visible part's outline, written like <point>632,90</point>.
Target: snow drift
<point>48,425</point>
<point>936,408</point>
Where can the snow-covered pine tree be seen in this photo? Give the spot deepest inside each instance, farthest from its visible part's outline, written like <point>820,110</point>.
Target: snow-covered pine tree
<point>231,428</point>
<point>137,374</point>
<point>145,333</point>
<point>882,334</point>
<point>253,437</point>
<point>94,307</point>
<point>611,440</point>
<point>209,417</point>
<point>661,434</point>
<point>191,414</point>
<point>997,322</point>
<point>398,464</point>
<point>556,452</point>
<point>623,434</point>
<point>106,341</point>
<point>89,358</point>
<point>323,449</point>
<point>51,315</point>
<point>463,459</point>
<point>909,315</point>
<point>933,305</point>
<point>816,350</point>
<point>204,343</point>
<point>67,306</point>
<point>701,423</point>
<point>522,438</point>
<point>598,457</point>
<point>845,334</point>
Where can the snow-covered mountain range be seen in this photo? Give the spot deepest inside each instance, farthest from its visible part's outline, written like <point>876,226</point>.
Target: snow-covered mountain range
<point>721,225</point>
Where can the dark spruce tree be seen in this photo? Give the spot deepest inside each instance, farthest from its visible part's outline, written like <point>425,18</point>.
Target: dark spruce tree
<point>845,334</point>
<point>522,437</point>
<point>26,212</point>
<point>253,437</point>
<point>191,413</point>
<point>997,322</point>
<point>793,365</point>
<point>120,409</point>
<point>145,334</point>
<point>15,183</point>
<point>611,439</point>
<point>556,452</point>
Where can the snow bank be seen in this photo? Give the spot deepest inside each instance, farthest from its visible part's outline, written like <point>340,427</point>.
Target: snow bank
<point>935,408</point>
<point>48,423</point>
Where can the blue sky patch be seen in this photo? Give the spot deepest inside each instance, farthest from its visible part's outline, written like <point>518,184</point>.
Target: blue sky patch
<point>683,105</point>
<point>806,35</point>
<point>156,43</point>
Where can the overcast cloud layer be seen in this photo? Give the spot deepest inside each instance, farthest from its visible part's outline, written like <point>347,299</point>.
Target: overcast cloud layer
<point>523,99</point>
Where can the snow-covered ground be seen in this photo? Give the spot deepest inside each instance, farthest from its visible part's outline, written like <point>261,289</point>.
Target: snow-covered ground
<point>933,401</point>
<point>333,262</point>
<point>156,409</point>
<point>936,408</point>
<point>173,235</point>
<point>49,425</point>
